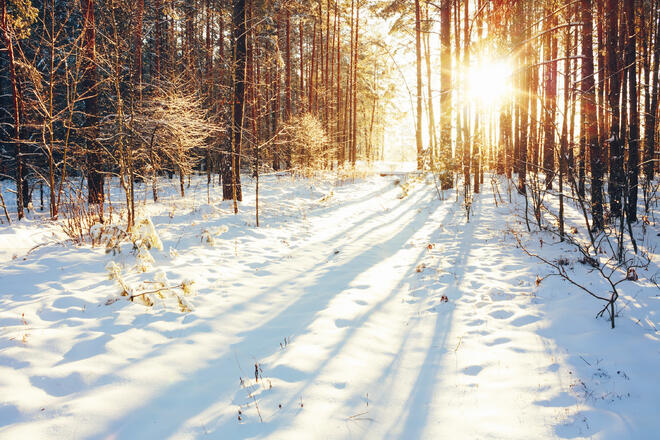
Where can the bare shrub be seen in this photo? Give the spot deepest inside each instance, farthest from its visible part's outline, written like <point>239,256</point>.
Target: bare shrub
<point>307,142</point>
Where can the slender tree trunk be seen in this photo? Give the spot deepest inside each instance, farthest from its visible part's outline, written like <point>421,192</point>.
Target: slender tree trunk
<point>301,93</point>
<point>287,82</point>
<point>633,127</point>
<point>354,88</point>
<point>327,89</point>
<point>524,106</point>
<point>650,122</point>
<point>240,54</point>
<point>445,93</point>
<point>158,35</point>
<point>8,41</point>
<point>616,148</point>
<point>467,148</point>
<point>418,51</point>
<point>590,122</point>
<point>90,91</point>
<point>310,80</point>
<point>601,76</point>
<point>137,47</point>
<point>339,140</point>
<point>563,146</point>
<point>429,92</point>
<point>287,60</point>
<point>550,106</point>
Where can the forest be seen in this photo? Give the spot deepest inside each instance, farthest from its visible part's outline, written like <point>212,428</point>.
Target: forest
<point>329,219</point>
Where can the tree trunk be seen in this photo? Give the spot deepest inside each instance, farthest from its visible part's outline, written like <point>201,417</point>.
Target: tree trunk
<point>445,94</point>
<point>550,106</point>
<point>633,126</point>
<point>158,35</point>
<point>589,112</point>
<point>137,47</point>
<point>523,106</point>
<point>90,91</point>
<point>7,36</point>
<point>651,114</point>
<point>354,88</point>
<point>240,54</point>
<point>418,51</point>
<point>429,93</point>
<point>616,149</point>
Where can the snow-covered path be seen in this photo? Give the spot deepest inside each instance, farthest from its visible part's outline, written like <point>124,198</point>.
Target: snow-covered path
<point>340,306</point>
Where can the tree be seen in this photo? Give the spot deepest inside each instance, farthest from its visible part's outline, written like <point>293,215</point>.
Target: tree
<point>418,52</point>
<point>550,82</point>
<point>650,121</point>
<point>588,110</point>
<point>633,126</point>
<point>616,176</point>
<point>239,38</point>
<point>13,28</point>
<point>445,95</point>
<point>89,87</point>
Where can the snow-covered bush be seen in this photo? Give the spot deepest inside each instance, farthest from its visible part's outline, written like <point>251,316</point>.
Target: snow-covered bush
<point>305,136</point>
<point>209,235</point>
<point>144,235</point>
<point>114,272</point>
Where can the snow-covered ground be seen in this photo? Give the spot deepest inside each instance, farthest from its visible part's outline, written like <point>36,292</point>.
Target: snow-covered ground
<point>353,311</point>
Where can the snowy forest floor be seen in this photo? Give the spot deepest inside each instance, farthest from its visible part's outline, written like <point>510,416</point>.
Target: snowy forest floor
<point>366,313</point>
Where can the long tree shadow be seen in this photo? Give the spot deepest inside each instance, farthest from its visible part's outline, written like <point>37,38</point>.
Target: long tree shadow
<point>176,404</point>
<point>417,405</point>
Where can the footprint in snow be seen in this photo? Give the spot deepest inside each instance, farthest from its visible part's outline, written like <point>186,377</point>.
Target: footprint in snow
<point>500,296</point>
<point>553,367</point>
<point>59,386</point>
<point>473,370</point>
<point>525,320</point>
<point>501,314</point>
<point>498,341</point>
<point>476,322</point>
<point>341,323</point>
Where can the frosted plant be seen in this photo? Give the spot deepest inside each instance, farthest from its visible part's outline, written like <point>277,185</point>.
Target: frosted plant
<point>208,238</point>
<point>160,279</point>
<point>209,235</point>
<point>187,287</point>
<point>184,306</point>
<point>326,197</point>
<point>145,234</point>
<point>144,259</point>
<point>114,270</point>
<point>173,253</point>
<point>95,232</point>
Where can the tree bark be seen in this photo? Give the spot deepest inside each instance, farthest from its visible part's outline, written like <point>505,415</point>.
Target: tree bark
<point>616,149</point>
<point>8,40</point>
<point>550,106</point>
<point>89,88</point>
<point>418,51</point>
<point>240,54</point>
<point>137,47</point>
<point>445,93</point>
<point>633,126</point>
<point>589,112</point>
<point>650,122</point>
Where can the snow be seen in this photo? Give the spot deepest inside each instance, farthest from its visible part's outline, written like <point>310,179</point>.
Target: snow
<point>364,309</point>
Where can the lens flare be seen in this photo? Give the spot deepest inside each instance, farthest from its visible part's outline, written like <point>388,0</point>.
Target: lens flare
<point>489,83</point>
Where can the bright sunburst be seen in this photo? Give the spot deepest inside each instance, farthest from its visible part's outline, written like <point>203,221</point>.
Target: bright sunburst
<point>489,83</point>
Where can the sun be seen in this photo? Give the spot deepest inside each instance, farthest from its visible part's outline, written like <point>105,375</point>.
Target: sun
<point>489,83</point>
